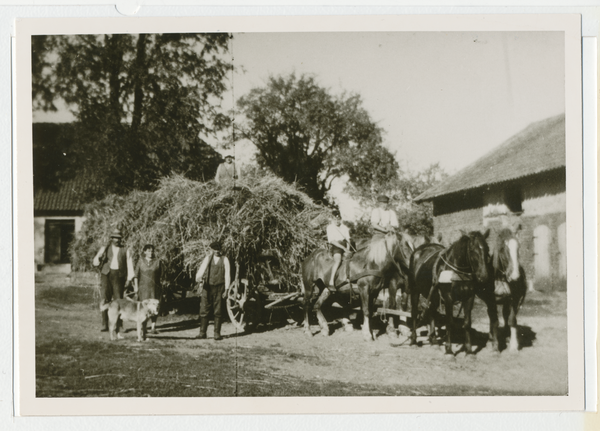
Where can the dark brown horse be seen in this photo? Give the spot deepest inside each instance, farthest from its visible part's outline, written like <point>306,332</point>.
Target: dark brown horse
<point>510,281</point>
<point>456,273</point>
<point>377,263</point>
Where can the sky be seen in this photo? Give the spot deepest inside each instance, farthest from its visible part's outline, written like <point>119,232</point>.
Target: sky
<point>441,97</point>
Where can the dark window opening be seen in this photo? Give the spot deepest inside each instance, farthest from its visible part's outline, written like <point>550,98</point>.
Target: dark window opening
<point>513,199</point>
<point>58,236</point>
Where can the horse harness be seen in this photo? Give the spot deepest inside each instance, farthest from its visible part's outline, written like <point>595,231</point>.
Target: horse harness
<point>468,276</point>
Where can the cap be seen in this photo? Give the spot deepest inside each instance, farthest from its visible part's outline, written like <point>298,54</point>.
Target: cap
<point>216,246</point>
<point>383,198</point>
<point>116,233</point>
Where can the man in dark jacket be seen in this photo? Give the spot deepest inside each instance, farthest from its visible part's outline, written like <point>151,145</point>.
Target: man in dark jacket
<point>116,268</point>
<point>213,276</point>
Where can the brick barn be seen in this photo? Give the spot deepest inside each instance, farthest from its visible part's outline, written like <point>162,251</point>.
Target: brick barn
<point>521,185</point>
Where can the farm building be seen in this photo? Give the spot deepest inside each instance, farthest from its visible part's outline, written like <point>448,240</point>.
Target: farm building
<point>57,217</point>
<point>521,185</point>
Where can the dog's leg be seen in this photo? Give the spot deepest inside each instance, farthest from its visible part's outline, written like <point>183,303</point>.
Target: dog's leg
<point>144,329</point>
<point>118,326</point>
<point>139,330</point>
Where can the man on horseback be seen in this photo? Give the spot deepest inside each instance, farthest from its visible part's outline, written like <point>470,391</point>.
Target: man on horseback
<point>383,218</point>
<point>338,237</point>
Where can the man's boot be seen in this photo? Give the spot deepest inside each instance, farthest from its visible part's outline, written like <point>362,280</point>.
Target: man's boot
<point>218,329</point>
<point>203,328</point>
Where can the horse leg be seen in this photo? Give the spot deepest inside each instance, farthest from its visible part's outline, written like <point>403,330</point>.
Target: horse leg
<point>365,302</point>
<point>449,319</point>
<point>468,307</point>
<point>431,335</point>
<point>414,316</point>
<point>307,308</point>
<point>492,310</point>
<point>322,321</point>
<point>392,326</point>
<point>512,322</point>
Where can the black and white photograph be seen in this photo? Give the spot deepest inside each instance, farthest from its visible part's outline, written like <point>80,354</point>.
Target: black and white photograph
<point>384,211</point>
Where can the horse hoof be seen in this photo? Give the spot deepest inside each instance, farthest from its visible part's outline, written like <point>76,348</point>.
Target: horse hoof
<point>471,356</point>
<point>324,333</point>
<point>349,328</point>
<point>308,333</point>
<point>392,333</point>
<point>449,356</point>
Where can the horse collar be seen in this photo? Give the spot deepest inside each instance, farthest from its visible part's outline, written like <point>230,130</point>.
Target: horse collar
<point>454,267</point>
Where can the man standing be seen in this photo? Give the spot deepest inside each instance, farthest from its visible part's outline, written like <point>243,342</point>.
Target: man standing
<point>213,276</point>
<point>383,217</point>
<point>116,267</point>
<point>227,172</point>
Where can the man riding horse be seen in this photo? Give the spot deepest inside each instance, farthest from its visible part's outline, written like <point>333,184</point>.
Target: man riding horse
<point>383,218</point>
<point>338,237</point>
<point>376,263</point>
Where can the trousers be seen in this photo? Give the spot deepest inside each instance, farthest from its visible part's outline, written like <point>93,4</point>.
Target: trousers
<point>112,286</point>
<point>210,300</point>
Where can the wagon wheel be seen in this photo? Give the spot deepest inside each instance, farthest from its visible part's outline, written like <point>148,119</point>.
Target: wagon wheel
<point>237,297</point>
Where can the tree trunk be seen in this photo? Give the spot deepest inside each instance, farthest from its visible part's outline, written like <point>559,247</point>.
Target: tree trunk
<point>138,77</point>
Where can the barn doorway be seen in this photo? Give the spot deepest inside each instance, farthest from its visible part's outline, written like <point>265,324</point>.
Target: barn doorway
<point>562,250</point>
<point>58,235</point>
<point>541,249</point>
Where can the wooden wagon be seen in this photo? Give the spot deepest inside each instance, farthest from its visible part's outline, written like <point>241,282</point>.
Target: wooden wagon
<point>261,296</point>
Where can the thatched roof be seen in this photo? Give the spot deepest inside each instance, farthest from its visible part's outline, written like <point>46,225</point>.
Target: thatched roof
<point>538,148</point>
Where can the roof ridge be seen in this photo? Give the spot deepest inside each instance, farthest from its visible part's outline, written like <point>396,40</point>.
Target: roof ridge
<point>514,162</point>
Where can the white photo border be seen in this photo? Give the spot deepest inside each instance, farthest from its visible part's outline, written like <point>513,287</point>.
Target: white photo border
<point>24,281</point>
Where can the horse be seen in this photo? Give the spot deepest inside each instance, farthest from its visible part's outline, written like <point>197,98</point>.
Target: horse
<point>377,263</point>
<point>510,284</point>
<point>458,272</point>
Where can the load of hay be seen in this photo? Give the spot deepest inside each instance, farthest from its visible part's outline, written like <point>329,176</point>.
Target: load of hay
<point>183,217</point>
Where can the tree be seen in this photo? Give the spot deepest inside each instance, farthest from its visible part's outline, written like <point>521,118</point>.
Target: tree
<point>402,189</point>
<point>144,103</point>
<point>305,134</point>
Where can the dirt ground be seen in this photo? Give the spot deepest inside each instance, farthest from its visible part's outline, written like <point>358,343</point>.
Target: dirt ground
<point>281,357</point>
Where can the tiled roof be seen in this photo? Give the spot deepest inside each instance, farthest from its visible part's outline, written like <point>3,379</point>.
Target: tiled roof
<point>538,148</point>
<point>66,198</point>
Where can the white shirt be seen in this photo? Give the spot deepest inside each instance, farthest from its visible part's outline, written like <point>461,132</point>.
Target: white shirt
<point>216,258</point>
<point>384,218</point>
<point>337,233</point>
<point>114,264</point>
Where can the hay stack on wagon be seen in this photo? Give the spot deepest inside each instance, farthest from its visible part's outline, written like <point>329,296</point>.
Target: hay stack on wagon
<point>182,217</point>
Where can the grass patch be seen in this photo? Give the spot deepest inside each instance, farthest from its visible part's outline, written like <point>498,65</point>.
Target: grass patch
<point>68,295</point>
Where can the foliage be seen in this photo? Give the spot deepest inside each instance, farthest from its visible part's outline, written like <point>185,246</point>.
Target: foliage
<point>182,217</point>
<point>53,160</point>
<point>143,103</point>
<point>305,134</point>
<point>416,218</point>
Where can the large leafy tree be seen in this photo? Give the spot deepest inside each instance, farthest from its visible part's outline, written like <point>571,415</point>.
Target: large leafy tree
<point>402,189</point>
<point>143,103</point>
<point>307,135</point>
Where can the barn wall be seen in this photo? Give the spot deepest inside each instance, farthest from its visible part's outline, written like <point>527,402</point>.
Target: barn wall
<point>449,225</point>
<point>543,213</point>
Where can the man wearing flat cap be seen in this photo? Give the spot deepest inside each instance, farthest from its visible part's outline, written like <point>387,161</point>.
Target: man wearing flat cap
<point>227,171</point>
<point>116,268</point>
<point>213,276</point>
<point>383,217</point>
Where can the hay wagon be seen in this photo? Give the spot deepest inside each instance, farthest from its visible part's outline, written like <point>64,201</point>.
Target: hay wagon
<point>261,296</point>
